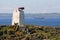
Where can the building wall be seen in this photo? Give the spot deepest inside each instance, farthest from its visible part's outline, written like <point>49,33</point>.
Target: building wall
<point>21,17</point>
<point>18,17</point>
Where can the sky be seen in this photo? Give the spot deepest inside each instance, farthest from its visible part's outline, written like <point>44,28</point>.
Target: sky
<point>31,6</point>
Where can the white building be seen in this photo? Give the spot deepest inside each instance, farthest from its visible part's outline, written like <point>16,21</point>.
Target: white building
<point>18,16</point>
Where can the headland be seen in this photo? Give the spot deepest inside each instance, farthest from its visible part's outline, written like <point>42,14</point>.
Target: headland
<point>29,32</point>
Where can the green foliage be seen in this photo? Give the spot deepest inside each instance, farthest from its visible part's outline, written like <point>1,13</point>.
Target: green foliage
<point>31,32</point>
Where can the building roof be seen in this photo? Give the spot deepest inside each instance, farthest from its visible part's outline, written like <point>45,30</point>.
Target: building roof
<point>21,8</point>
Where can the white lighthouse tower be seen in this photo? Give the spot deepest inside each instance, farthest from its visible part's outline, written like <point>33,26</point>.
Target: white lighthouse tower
<point>18,16</point>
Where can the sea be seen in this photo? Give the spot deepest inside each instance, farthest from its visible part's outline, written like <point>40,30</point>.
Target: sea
<point>6,19</point>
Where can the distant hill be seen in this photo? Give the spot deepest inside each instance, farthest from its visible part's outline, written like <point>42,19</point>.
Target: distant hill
<point>47,15</point>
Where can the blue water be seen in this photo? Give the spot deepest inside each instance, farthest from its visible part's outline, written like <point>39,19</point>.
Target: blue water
<point>34,21</point>
<point>44,22</point>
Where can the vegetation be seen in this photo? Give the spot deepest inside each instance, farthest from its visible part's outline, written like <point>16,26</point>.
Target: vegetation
<point>29,32</point>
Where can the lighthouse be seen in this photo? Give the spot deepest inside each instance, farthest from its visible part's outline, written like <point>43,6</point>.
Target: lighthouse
<point>18,16</point>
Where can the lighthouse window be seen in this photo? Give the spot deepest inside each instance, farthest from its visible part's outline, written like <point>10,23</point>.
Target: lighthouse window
<point>16,10</point>
<point>19,9</point>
